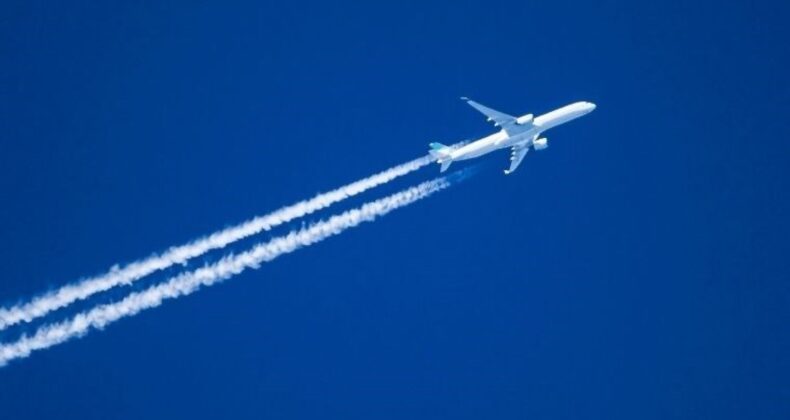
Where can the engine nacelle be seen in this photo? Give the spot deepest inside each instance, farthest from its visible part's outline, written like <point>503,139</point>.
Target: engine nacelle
<point>524,119</point>
<point>541,143</point>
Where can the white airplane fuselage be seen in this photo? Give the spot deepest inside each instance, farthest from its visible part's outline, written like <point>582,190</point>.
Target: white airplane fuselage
<point>522,137</point>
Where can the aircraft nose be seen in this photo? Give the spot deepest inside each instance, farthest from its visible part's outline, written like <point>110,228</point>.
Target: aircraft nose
<point>590,106</point>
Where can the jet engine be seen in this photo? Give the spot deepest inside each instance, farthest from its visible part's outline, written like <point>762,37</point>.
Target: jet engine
<point>541,143</point>
<point>524,119</point>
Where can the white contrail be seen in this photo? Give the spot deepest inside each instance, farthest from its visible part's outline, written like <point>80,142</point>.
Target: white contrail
<point>41,305</point>
<point>187,283</point>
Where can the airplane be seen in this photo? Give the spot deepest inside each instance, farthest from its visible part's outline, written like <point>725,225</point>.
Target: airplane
<point>518,133</point>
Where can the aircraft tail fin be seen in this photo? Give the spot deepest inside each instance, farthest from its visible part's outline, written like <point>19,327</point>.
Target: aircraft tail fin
<point>439,150</point>
<point>442,155</point>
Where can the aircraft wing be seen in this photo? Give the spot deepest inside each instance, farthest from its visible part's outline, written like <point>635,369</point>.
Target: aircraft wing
<point>519,151</point>
<point>500,119</point>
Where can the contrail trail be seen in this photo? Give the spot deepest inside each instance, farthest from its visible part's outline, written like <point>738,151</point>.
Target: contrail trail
<point>188,283</point>
<point>43,304</point>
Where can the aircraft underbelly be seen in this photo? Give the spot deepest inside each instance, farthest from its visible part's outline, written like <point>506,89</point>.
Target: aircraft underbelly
<point>516,140</point>
<point>475,150</point>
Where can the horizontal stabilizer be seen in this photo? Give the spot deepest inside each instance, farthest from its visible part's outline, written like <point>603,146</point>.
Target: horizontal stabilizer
<point>442,154</point>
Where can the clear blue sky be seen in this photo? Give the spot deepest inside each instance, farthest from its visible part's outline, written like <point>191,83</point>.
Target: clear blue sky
<point>636,269</point>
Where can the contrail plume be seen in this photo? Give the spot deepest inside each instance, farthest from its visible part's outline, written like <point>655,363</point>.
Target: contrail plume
<point>43,304</point>
<point>189,282</point>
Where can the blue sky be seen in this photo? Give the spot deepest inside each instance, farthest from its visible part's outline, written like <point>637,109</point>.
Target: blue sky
<point>636,269</point>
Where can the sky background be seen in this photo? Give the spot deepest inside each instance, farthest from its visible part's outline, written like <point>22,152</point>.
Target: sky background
<point>637,268</point>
